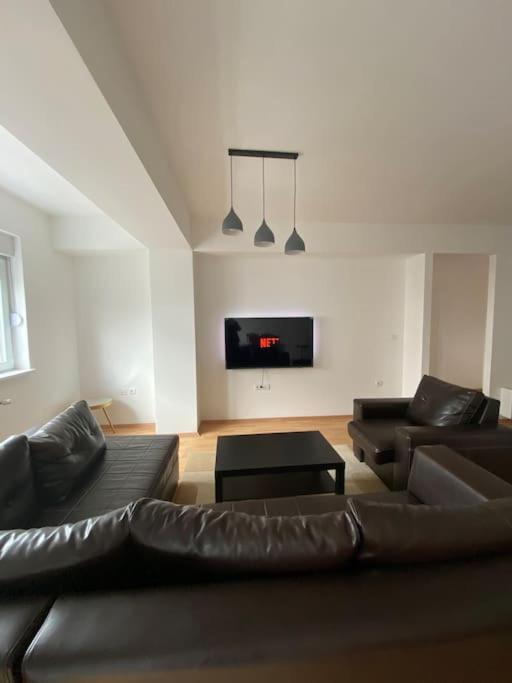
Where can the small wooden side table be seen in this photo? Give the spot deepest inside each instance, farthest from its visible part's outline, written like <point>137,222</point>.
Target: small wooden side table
<point>101,404</point>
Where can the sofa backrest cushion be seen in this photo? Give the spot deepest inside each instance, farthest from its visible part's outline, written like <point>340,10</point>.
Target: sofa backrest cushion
<point>440,404</point>
<point>87,554</point>
<point>189,541</point>
<point>18,500</point>
<point>63,449</point>
<point>394,533</point>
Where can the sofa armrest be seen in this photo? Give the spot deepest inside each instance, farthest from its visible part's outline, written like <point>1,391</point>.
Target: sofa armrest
<point>380,408</point>
<point>441,476</point>
<point>407,439</point>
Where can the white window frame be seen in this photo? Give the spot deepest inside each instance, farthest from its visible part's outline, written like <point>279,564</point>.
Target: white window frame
<point>7,361</point>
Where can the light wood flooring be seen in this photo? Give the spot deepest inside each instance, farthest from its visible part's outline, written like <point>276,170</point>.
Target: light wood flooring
<point>333,427</point>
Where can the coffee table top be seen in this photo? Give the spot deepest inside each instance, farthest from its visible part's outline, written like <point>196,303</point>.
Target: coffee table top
<point>284,451</point>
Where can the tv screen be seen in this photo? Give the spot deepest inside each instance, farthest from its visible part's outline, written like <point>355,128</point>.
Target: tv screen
<point>268,342</point>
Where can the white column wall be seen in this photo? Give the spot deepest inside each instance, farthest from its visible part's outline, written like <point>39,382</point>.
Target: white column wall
<point>174,342</point>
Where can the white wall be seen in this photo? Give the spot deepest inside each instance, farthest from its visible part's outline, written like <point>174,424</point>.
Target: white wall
<point>418,279</point>
<point>459,313</point>
<point>174,341</point>
<point>91,233</point>
<point>357,304</point>
<point>54,384</point>
<point>115,332</point>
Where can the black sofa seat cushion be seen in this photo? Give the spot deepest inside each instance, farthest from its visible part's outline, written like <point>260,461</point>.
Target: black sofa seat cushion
<point>132,467</point>
<point>440,404</point>
<point>63,450</point>
<point>398,534</point>
<point>227,631</point>
<point>20,619</point>
<point>18,501</point>
<point>186,541</point>
<point>308,505</point>
<point>377,437</point>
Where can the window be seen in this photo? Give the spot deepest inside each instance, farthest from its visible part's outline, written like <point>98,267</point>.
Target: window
<point>6,311</point>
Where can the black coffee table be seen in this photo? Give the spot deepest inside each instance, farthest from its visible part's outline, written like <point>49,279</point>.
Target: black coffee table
<point>276,465</point>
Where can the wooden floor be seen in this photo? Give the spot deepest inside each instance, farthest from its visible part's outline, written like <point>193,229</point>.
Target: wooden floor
<point>333,427</point>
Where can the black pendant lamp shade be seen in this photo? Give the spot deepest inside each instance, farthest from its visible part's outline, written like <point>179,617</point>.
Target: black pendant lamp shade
<point>294,244</point>
<point>232,225</point>
<point>264,236</point>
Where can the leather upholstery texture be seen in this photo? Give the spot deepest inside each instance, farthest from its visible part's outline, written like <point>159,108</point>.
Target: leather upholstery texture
<point>385,432</point>
<point>18,500</point>
<point>208,630</point>
<point>63,449</point>
<point>132,467</point>
<point>398,534</point>
<point>19,621</point>
<point>440,404</point>
<point>186,541</point>
<point>440,476</point>
<point>407,440</point>
<point>307,505</point>
<point>314,628</point>
<point>377,437</point>
<point>66,557</point>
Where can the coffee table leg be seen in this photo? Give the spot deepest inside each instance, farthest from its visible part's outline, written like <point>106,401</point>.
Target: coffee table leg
<point>218,488</point>
<point>339,482</point>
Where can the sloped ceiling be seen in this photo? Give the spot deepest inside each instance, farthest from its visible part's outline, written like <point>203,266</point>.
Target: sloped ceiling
<point>401,110</point>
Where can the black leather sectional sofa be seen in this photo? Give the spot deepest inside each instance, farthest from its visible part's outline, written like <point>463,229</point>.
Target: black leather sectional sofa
<point>398,586</point>
<point>67,470</point>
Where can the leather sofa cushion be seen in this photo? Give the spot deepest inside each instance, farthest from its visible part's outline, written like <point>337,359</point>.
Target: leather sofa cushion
<point>307,505</point>
<point>62,451</point>
<point>20,618</point>
<point>394,533</point>
<point>440,404</point>
<point>68,557</point>
<point>316,628</point>
<point>189,541</point>
<point>377,437</point>
<point>18,500</point>
<point>132,467</point>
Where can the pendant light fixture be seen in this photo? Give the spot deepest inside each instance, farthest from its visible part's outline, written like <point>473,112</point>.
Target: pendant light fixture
<point>232,225</point>
<point>294,244</point>
<point>264,236</point>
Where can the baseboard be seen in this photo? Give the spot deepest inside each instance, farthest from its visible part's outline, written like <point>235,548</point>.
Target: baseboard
<point>131,425</point>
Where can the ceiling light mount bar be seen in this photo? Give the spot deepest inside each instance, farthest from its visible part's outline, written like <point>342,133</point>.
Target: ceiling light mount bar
<point>262,154</point>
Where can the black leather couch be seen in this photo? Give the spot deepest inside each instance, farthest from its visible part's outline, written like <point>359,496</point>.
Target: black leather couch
<point>385,432</point>
<point>66,471</point>
<point>403,586</point>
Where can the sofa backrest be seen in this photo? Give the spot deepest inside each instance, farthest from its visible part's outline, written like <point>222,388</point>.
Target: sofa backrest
<point>175,541</point>
<point>440,404</point>
<point>393,533</point>
<point>85,555</point>
<point>63,450</point>
<point>18,500</point>
<point>442,476</point>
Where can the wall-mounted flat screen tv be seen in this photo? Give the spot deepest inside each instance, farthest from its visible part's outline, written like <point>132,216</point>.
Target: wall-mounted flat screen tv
<point>268,342</point>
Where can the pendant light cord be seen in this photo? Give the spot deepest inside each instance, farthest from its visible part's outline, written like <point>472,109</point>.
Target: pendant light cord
<point>231,178</point>
<point>263,180</point>
<point>294,191</point>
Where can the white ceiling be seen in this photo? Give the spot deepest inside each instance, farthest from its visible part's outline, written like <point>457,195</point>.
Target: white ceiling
<point>401,109</point>
<point>25,175</point>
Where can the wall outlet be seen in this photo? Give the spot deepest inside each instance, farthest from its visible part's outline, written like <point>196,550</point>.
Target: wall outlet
<point>379,383</point>
<point>262,387</point>
<point>132,391</point>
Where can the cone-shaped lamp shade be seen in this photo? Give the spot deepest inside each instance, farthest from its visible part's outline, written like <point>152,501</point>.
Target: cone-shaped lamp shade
<point>264,236</point>
<point>294,244</point>
<point>232,225</point>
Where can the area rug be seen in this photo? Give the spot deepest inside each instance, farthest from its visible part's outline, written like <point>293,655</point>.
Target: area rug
<point>197,480</point>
